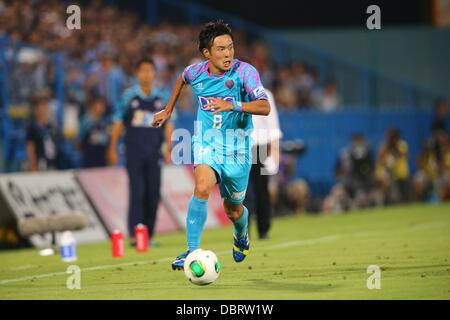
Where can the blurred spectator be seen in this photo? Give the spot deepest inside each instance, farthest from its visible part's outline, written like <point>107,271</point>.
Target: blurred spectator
<point>440,114</point>
<point>392,169</point>
<point>75,85</point>
<point>432,180</point>
<point>326,98</point>
<point>355,169</point>
<point>143,143</point>
<point>41,138</point>
<point>426,175</point>
<point>303,83</point>
<point>108,80</point>
<point>288,193</point>
<point>442,152</point>
<point>28,75</point>
<point>285,92</point>
<point>298,196</point>
<point>337,201</point>
<point>439,142</point>
<point>261,61</point>
<point>94,135</point>
<point>354,173</point>
<point>166,81</point>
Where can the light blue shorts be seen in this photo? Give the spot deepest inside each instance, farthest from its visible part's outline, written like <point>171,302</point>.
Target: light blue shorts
<point>232,173</point>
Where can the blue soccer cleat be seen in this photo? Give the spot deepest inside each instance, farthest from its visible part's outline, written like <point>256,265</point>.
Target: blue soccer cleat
<point>240,248</point>
<point>178,263</point>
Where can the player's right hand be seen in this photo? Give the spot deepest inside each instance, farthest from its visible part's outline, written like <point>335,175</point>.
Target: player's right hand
<point>159,118</point>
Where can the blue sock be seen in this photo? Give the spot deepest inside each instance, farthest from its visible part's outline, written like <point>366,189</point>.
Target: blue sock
<point>241,224</point>
<point>195,221</point>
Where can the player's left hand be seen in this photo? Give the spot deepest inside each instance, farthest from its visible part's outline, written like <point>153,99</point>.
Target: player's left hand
<point>218,105</point>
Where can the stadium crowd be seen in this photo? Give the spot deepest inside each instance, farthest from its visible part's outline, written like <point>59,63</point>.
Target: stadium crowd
<point>367,179</point>
<point>100,55</point>
<point>99,62</point>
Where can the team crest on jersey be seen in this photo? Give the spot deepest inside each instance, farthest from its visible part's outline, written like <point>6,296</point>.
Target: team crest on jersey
<point>229,84</point>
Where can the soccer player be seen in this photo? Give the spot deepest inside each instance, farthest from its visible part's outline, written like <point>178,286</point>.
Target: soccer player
<point>229,91</point>
<point>143,145</point>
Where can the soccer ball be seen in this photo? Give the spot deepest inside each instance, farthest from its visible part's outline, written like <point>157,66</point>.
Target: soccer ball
<point>202,267</point>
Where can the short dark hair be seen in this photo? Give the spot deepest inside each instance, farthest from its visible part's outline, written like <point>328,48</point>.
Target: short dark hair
<point>210,31</point>
<point>143,60</point>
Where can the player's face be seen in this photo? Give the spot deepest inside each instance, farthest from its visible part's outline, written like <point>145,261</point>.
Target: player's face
<point>145,74</point>
<point>221,53</point>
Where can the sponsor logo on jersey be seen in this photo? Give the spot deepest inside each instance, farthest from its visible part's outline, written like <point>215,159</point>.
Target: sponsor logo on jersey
<point>142,118</point>
<point>98,137</point>
<point>205,100</point>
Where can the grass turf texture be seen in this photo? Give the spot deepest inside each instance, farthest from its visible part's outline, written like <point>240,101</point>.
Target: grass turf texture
<point>309,257</point>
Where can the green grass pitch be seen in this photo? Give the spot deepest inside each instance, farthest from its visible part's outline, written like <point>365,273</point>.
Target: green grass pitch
<point>309,257</point>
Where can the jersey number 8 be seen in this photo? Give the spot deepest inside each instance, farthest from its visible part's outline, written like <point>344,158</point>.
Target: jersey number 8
<point>217,121</point>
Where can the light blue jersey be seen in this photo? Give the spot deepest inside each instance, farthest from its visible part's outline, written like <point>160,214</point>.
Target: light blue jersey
<point>222,140</point>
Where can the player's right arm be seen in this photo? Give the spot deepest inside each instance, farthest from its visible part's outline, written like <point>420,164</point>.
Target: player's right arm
<point>160,117</point>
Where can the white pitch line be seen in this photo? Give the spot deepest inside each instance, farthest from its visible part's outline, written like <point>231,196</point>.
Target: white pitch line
<point>24,267</point>
<point>299,243</point>
<point>126,264</point>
